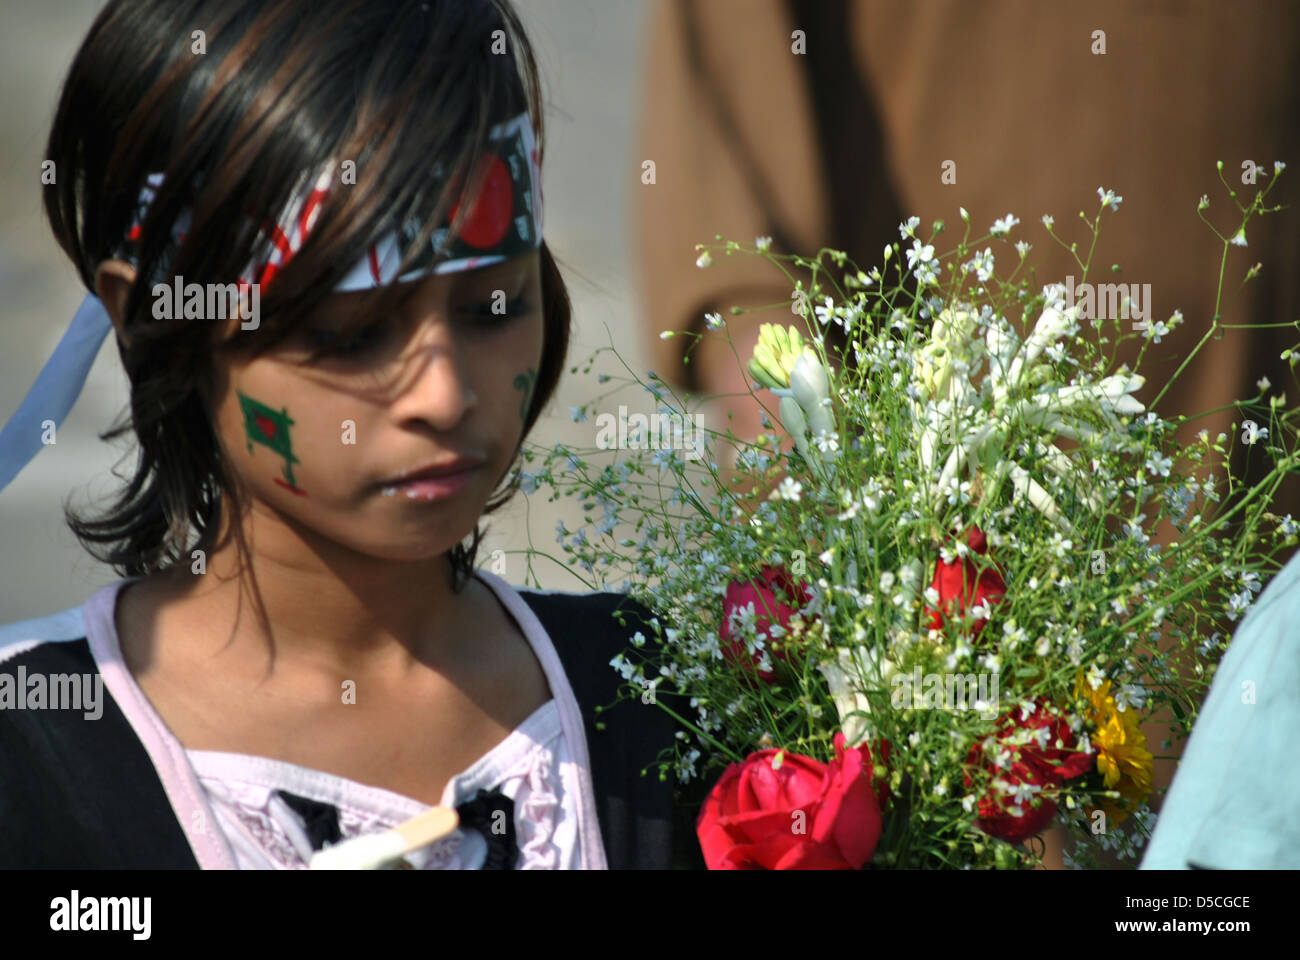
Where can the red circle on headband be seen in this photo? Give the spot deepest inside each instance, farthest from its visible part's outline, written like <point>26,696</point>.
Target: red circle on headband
<point>488,221</point>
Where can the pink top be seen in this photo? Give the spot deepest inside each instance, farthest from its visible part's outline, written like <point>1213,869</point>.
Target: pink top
<point>226,803</point>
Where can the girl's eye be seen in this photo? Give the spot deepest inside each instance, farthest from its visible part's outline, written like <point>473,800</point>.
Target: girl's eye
<point>355,345</point>
<point>370,338</point>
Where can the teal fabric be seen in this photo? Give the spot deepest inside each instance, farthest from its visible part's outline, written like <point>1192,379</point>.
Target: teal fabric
<point>1235,799</point>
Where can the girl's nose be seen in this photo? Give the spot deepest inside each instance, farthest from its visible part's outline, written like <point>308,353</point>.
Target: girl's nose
<point>440,389</point>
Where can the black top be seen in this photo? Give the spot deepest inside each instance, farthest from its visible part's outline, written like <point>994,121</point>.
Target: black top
<point>78,793</point>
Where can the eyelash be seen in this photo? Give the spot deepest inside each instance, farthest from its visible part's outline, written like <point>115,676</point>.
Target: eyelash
<point>320,338</point>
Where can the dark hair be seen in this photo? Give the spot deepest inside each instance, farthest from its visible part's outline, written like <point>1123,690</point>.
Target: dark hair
<point>402,87</point>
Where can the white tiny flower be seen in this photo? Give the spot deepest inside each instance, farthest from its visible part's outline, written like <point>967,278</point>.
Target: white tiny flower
<point>927,274</point>
<point>704,260</point>
<point>1048,221</point>
<point>1155,331</point>
<point>1004,225</point>
<point>907,229</point>
<point>826,312</point>
<point>789,489</point>
<point>981,264</point>
<point>920,253</point>
<point>714,320</point>
<point>1023,248</point>
<point>1239,238</point>
<point>1263,383</point>
<point>1107,197</point>
<point>763,243</point>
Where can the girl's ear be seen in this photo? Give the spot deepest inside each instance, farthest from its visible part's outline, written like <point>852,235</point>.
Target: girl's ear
<point>113,282</point>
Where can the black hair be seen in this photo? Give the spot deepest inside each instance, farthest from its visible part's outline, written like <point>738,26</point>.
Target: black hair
<point>232,101</point>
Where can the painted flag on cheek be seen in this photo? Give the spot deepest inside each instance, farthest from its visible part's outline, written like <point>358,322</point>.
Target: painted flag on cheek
<point>270,427</point>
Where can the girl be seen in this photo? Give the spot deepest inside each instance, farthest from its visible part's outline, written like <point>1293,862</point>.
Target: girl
<point>316,230</point>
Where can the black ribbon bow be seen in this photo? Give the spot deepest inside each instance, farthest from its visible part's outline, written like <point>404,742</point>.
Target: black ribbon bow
<point>490,812</point>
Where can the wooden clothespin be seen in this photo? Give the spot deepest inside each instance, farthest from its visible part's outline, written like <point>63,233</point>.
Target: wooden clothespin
<point>377,851</point>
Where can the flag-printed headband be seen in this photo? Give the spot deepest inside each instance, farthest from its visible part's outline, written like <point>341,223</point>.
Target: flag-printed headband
<point>505,221</point>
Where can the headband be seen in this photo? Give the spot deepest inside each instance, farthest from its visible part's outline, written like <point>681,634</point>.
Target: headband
<point>505,222</point>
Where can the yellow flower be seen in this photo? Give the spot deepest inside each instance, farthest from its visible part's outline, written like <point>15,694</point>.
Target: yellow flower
<point>1122,756</point>
<point>775,354</point>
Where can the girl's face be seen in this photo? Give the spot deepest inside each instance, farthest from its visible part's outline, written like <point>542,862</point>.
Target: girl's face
<point>447,378</point>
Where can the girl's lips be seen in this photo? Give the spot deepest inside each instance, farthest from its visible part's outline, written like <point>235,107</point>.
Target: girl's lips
<point>431,488</point>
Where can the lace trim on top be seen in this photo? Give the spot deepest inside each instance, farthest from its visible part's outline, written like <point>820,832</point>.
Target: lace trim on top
<point>528,766</point>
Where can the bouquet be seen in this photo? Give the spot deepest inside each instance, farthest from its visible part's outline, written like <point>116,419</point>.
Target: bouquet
<point>927,616</point>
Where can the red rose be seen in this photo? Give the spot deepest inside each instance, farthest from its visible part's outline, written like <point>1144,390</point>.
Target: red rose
<point>775,596</point>
<point>801,815</point>
<point>961,584</point>
<point>1031,763</point>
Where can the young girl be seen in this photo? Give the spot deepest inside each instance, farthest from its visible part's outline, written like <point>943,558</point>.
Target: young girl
<point>315,228</point>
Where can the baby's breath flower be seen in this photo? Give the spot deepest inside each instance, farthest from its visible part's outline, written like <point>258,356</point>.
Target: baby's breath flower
<point>1004,225</point>
<point>789,489</point>
<point>1154,331</point>
<point>981,264</point>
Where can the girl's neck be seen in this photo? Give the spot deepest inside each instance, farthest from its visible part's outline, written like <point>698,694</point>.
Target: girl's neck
<point>307,601</point>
